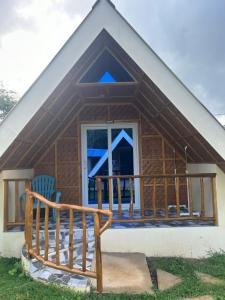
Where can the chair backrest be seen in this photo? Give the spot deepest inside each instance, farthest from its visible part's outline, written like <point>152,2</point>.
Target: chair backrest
<point>44,185</point>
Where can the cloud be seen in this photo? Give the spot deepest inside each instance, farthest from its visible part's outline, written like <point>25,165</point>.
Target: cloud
<point>187,34</point>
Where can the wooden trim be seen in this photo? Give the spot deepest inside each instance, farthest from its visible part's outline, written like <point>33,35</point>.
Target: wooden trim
<point>6,197</point>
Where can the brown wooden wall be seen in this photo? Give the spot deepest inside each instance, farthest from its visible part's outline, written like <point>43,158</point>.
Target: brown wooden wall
<point>63,159</point>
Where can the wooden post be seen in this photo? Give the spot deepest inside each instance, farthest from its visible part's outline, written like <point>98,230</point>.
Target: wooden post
<point>142,197</point>
<point>110,193</point>
<point>154,197</point>
<point>38,227</point>
<point>131,197</point>
<point>214,200</point>
<point>46,231</point>
<point>119,196</point>
<point>190,196</point>
<point>98,253</point>
<point>71,243</point>
<point>29,222</point>
<point>17,214</point>
<point>27,210</point>
<point>57,237</point>
<point>99,189</point>
<point>6,204</point>
<point>202,189</point>
<point>84,247</point>
<point>177,184</point>
<point>166,197</point>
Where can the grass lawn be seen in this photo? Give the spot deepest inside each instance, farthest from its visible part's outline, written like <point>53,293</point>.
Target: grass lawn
<point>14,285</point>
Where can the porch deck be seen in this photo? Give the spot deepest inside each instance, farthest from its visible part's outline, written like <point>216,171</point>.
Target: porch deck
<point>77,223</point>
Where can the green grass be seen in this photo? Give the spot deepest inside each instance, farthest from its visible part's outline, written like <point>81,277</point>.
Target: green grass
<point>14,285</point>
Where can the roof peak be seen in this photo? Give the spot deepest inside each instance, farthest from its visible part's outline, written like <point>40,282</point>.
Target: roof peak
<point>100,1</point>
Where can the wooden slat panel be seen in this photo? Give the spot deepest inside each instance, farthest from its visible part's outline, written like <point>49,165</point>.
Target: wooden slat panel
<point>214,200</point>
<point>6,196</point>
<point>166,197</point>
<point>154,197</point>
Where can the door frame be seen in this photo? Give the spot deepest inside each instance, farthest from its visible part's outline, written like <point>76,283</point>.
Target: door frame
<point>109,126</point>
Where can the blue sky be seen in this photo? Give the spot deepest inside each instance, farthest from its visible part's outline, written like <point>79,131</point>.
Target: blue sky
<point>189,35</point>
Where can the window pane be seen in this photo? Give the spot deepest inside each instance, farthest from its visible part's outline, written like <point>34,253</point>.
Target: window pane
<point>122,160</point>
<point>97,162</point>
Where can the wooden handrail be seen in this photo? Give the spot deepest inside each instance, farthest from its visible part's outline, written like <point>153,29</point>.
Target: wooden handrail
<point>174,189</point>
<point>34,250</point>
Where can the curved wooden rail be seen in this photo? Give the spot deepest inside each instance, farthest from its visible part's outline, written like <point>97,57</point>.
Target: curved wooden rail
<point>34,250</point>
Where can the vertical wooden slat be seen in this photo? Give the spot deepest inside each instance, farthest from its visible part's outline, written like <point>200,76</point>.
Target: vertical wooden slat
<point>177,185</point>
<point>214,200</point>
<point>142,196</point>
<point>98,253</point>
<point>46,231</point>
<point>29,221</point>
<point>166,197</point>
<point>71,243</point>
<point>119,196</point>
<point>27,209</point>
<point>84,252</point>
<point>6,205</point>
<point>99,189</point>
<point>17,214</point>
<point>38,227</point>
<point>110,193</point>
<point>190,196</point>
<point>154,197</point>
<point>131,197</point>
<point>57,237</point>
<point>202,191</point>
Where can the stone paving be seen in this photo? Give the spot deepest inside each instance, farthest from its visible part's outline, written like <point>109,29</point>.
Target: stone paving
<point>166,280</point>
<point>50,275</point>
<point>209,279</point>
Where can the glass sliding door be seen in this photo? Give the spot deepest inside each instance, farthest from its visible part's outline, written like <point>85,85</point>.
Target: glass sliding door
<point>109,150</point>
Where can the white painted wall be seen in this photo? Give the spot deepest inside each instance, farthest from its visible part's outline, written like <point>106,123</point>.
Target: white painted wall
<point>191,242</point>
<point>11,243</point>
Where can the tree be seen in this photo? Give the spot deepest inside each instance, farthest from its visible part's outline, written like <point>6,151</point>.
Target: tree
<point>8,99</point>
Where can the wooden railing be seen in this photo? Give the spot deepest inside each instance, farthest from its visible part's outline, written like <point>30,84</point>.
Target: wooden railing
<point>162,197</point>
<point>34,249</point>
<point>13,210</point>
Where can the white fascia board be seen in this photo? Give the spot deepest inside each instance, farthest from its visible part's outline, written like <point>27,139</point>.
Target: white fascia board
<point>104,16</point>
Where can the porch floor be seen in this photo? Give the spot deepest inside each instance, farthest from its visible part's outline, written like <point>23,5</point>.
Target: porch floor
<point>64,221</point>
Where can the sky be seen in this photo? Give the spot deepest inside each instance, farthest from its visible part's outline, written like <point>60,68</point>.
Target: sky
<point>189,35</point>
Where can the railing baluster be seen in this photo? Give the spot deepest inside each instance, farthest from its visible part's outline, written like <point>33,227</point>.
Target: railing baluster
<point>98,253</point>
<point>131,209</point>
<point>84,255</point>
<point>17,214</point>
<point>166,197</point>
<point>214,200</point>
<point>46,231</point>
<point>119,197</point>
<point>202,189</point>
<point>190,196</point>
<point>30,222</point>
<point>177,185</point>
<point>110,193</point>
<point>57,237</point>
<point>99,189</point>
<point>142,197</point>
<point>154,197</point>
<point>71,242</point>
<point>38,227</point>
<point>6,204</point>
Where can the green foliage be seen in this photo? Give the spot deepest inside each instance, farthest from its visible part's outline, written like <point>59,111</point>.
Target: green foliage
<point>14,286</point>
<point>8,99</point>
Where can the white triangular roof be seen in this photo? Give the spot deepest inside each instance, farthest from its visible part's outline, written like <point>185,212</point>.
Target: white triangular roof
<point>105,16</point>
